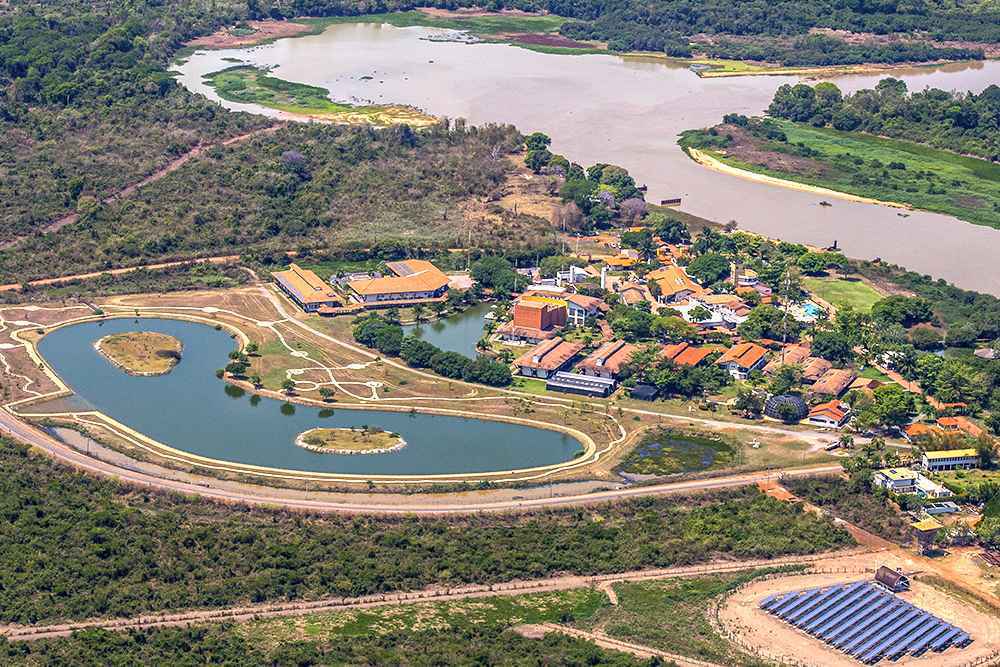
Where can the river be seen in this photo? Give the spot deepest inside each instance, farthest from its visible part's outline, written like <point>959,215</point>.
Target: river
<point>605,108</point>
<point>191,410</point>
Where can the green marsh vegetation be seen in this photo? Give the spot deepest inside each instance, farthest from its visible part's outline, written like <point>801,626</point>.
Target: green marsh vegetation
<point>251,85</point>
<point>664,452</point>
<point>73,546</point>
<point>891,170</point>
<point>483,25</point>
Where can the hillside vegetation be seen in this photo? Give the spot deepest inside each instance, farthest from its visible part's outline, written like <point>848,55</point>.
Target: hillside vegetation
<point>73,546</point>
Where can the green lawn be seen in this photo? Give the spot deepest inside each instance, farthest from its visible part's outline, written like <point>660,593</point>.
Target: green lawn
<point>923,177</point>
<point>872,373</point>
<point>529,385</point>
<point>842,293</point>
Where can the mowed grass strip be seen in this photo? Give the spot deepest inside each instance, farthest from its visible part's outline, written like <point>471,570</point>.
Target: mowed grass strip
<point>841,293</point>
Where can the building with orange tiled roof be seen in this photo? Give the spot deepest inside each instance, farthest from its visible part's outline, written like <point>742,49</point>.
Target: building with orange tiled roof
<point>415,280</point>
<point>306,289</point>
<point>920,430</point>
<point>685,354</point>
<point>547,358</point>
<point>608,360</point>
<point>535,320</point>
<point>740,360</point>
<point>834,382</point>
<point>832,414</point>
<point>960,424</point>
<point>790,355</point>
<point>674,283</point>
<point>813,368</point>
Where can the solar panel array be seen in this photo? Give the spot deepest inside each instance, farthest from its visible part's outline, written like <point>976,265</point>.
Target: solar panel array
<point>865,621</point>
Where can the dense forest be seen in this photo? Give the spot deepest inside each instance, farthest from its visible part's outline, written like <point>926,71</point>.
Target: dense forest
<point>74,546</point>
<point>224,645</point>
<point>962,122</point>
<point>305,186</point>
<point>821,50</point>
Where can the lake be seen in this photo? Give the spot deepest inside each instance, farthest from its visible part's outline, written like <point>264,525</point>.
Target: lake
<point>456,333</point>
<point>191,410</point>
<point>628,111</point>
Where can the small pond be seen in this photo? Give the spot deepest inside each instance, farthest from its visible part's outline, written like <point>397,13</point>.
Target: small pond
<point>665,452</point>
<point>192,410</point>
<point>456,333</point>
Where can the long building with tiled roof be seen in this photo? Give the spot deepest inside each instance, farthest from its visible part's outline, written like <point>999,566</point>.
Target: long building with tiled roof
<point>414,280</point>
<point>306,289</point>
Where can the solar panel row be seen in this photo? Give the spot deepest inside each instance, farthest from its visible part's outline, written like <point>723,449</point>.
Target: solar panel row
<point>865,621</point>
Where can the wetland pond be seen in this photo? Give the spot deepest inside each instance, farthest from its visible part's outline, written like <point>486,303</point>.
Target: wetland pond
<point>628,111</point>
<point>455,333</point>
<point>191,410</point>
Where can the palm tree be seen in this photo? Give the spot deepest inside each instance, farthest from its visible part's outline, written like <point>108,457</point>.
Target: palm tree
<point>418,312</point>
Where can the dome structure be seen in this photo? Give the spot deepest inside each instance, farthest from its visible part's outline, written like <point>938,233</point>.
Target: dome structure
<point>786,407</point>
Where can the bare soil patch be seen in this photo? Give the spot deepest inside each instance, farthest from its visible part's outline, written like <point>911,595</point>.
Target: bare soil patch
<point>262,31</point>
<point>780,641</point>
<point>750,150</point>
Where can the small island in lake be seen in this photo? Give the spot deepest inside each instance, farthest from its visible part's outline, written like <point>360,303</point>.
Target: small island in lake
<point>360,440</point>
<point>141,352</point>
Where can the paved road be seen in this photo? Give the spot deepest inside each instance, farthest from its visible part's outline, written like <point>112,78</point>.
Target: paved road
<point>285,609</point>
<point>261,496</point>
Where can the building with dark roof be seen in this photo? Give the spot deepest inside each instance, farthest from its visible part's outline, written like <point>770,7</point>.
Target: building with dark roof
<point>575,383</point>
<point>644,392</point>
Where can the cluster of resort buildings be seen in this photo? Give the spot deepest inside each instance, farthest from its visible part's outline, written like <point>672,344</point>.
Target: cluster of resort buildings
<point>407,283</point>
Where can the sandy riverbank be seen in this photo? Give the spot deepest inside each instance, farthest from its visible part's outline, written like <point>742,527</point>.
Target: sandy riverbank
<point>707,160</point>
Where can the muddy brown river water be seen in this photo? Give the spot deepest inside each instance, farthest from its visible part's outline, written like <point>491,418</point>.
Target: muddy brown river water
<point>605,108</point>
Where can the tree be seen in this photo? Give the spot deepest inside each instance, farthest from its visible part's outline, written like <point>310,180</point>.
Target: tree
<point>288,386</point>
<point>871,456</point>
<point>537,141</point>
<point>449,364</point>
<point>903,310</point>
<point>892,406</point>
<point>700,314</point>
<point>417,353</point>
<point>669,230</point>
<point>925,337</point>
<point>487,371</point>
<point>832,346</point>
<point>709,268</point>
<point>784,378</point>
<point>768,322</point>
<point>326,393</point>
<point>252,349</point>
<point>256,381</point>
<point>672,329</point>
<point>419,312</point>
<point>749,402</point>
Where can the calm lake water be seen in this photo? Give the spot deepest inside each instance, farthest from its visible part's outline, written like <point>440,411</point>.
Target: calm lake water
<point>191,410</point>
<point>455,333</point>
<point>605,108</point>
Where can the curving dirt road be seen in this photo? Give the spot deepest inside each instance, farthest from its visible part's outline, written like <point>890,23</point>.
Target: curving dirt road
<point>265,497</point>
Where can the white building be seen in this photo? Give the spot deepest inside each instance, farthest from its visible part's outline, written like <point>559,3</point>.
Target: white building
<point>954,459</point>
<point>897,480</point>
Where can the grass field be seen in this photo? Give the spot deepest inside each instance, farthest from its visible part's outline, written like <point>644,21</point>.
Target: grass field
<point>250,85</point>
<point>843,293</point>
<point>859,164</point>
<point>497,612</point>
<point>673,615</point>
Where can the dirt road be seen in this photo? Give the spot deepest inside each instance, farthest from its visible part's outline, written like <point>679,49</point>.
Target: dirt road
<point>272,497</point>
<point>284,609</point>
